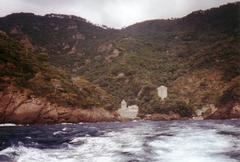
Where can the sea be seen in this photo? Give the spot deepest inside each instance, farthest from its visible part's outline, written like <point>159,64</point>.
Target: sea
<point>135,141</point>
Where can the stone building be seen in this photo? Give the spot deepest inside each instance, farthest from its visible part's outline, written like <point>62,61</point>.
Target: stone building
<point>129,112</point>
<point>162,92</point>
<point>123,104</point>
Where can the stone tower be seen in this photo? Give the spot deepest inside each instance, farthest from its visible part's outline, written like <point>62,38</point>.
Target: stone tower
<point>162,92</point>
<point>123,104</point>
<point>128,112</point>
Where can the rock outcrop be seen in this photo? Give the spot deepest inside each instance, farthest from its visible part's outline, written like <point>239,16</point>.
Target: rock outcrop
<point>157,116</point>
<point>226,113</point>
<point>18,106</point>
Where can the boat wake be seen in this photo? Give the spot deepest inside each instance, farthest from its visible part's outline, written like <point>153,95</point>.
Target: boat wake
<point>188,141</point>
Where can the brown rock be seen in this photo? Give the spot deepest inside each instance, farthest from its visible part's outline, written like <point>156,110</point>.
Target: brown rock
<point>17,107</point>
<point>49,114</point>
<point>25,41</point>
<point>104,48</point>
<point>27,112</point>
<point>171,116</point>
<point>226,112</point>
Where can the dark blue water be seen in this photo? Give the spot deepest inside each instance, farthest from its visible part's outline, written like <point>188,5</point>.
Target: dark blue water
<point>143,141</point>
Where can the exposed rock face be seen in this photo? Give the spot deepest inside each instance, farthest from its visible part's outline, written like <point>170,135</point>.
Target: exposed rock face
<point>105,48</point>
<point>57,84</point>
<point>120,75</point>
<point>115,53</point>
<point>236,109</point>
<point>26,42</point>
<point>24,39</point>
<point>72,27</point>
<point>226,113</point>
<point>15,30</point>
<point>19,107</point>
<point>79,36</point>
<point>206,110</point>
<point>171,116</point>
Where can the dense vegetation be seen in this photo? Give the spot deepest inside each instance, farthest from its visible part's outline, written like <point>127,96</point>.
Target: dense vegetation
<point>30,70</point>
<point>196,57</point>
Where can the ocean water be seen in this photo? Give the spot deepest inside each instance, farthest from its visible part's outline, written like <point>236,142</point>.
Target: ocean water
<point>141,141</point>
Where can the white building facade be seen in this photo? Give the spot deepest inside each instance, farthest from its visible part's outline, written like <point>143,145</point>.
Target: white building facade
<point>162,92</point>
<point>129,112</point>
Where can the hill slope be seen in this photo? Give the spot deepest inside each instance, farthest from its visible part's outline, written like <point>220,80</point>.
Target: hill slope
<point>196,57</point>
<point>34,91</point>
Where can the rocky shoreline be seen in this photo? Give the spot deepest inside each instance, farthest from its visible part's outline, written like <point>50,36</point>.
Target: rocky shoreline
<point>20,107</point>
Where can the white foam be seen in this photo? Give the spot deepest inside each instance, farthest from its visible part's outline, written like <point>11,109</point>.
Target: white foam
<point>9,125</point>
<point>58,133</point>
<point>144,141</point>
<point>194,145</point>
<point>77,139</point>
<point>64,129</point>
<point>67,123</point>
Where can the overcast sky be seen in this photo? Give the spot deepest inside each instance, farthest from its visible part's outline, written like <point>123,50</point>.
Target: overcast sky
<point>113,13</point>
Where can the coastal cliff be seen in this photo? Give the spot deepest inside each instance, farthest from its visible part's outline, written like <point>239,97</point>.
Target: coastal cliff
<point>18,107</point>
<point>57,63</point>
<point>32,91</point>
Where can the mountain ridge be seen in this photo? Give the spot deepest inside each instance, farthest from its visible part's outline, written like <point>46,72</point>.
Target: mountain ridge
<point>196,57</point>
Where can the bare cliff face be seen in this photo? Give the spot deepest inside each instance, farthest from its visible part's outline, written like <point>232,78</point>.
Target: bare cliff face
<point>16,106</point>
